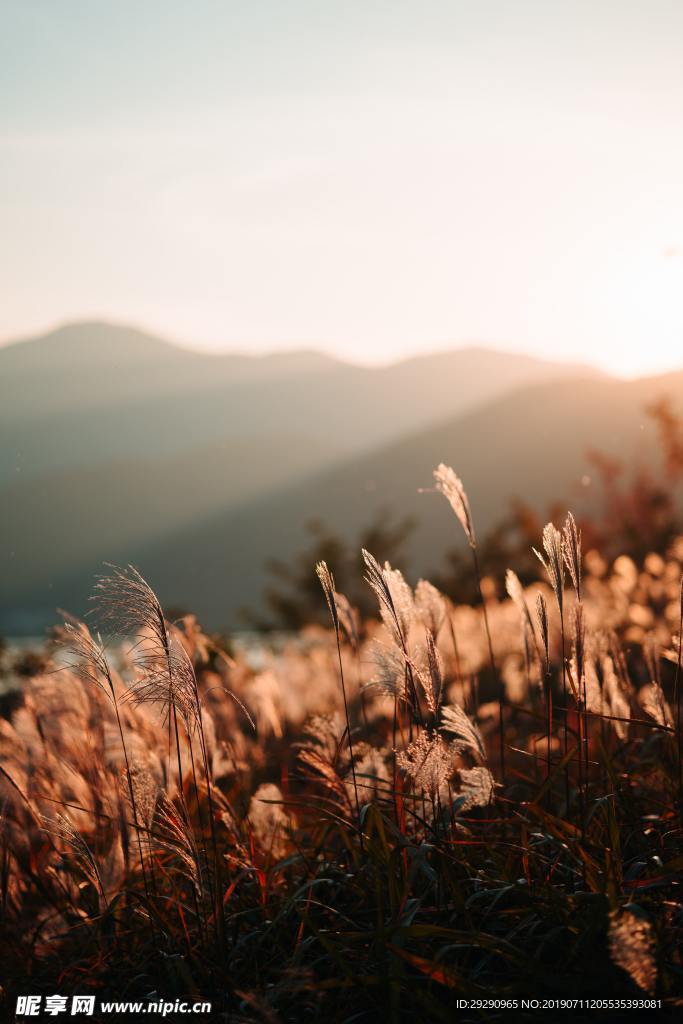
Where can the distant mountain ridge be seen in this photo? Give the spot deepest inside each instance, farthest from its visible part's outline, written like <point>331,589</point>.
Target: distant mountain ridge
<point>530,444</point>
<point>86,364</point>
<point>73,410</point>
<point>114,440</point>
<point>97,341</point>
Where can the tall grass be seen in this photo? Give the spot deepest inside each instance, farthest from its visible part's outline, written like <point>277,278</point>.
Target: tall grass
<point>357,854</point>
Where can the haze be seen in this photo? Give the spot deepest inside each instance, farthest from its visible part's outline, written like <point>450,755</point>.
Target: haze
<point>372,179</point>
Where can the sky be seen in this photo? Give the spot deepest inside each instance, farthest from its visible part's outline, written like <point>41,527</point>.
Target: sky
<point>371,178</point>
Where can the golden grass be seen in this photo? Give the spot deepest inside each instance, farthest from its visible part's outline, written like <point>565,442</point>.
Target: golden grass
<point>448,800</point>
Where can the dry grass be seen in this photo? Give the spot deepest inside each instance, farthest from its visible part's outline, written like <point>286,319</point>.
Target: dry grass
<point>331,832</point>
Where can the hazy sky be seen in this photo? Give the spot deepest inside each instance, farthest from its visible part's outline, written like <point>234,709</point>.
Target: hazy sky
<point>374,178</point>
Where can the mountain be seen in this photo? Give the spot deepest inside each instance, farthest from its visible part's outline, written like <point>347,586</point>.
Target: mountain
<point>94,365</point>
<point>532,443</point>
<point>89,394</point>
<point>115,441</point>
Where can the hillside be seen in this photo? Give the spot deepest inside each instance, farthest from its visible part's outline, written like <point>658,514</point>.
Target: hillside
<point>95,365</point>
<point>114,440</point>
<point>89,394</point>
<point>531,443</point>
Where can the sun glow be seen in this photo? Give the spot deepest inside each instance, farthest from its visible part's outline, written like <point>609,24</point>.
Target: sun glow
<point>643,315</point>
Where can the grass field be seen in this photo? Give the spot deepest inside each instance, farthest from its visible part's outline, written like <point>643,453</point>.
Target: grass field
<point>445,802</point>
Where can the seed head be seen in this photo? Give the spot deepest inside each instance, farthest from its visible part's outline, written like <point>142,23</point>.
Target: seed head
<point>450,485</point>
